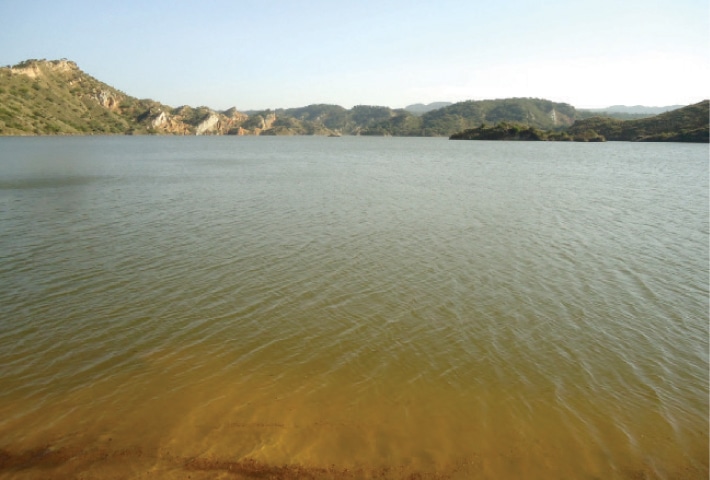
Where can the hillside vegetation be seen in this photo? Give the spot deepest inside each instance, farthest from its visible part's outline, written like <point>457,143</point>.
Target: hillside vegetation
<point>687,124</point>
<point>512,131</point>
<point>445,121</point>
<point>56,97</point>
<point>39,97</point>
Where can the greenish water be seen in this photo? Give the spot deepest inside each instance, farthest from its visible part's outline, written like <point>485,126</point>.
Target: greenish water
<point>352,308</point>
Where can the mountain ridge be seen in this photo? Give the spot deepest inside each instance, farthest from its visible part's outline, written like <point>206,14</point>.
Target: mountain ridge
<point>55,97</point>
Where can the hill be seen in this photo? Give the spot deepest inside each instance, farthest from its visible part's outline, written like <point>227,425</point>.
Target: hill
<point>323,119</point>
<point>41,97</point>
<point>55,97</point>
<point>534,112</point>
<point>687,124</point>
<point>512,131</point>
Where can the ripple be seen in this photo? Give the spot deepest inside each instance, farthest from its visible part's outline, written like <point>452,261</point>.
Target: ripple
<point>433,309</point>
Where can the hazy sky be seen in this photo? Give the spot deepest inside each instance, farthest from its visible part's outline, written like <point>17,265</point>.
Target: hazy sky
<point>271,54</point>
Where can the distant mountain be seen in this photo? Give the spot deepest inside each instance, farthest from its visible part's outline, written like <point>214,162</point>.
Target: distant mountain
<point>637,109</point>
<point>623,112</point>
<point>420,108</point>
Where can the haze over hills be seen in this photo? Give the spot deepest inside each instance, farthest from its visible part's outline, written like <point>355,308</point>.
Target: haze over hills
<point>636,109</point>
<point>420,108</point>
<point>40,97</point>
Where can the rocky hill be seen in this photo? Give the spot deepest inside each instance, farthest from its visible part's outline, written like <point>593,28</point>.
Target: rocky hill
<point>41,97</point>
<point>55,97</point>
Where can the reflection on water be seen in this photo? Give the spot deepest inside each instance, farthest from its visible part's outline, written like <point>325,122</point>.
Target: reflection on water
<point>352,308</point>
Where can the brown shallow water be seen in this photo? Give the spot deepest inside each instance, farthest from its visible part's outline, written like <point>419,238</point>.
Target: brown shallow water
<point>352,308</point>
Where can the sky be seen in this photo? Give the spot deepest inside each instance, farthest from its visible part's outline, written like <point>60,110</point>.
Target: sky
<point>280,54</point>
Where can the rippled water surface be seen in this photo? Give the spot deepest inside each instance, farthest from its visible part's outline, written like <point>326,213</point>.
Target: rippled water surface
<point>352,308</point>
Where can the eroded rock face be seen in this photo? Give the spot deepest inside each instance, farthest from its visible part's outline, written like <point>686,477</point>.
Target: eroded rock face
<point>107,100</point>
<point>240,131</point>
<point>268,122</point>
<point>31,71</point>
<point>210,125</point>
<point>33,68</point>
<point>62,65</point>
<point>160,120</point>
<point>238,117</point>
<point>164,122</point>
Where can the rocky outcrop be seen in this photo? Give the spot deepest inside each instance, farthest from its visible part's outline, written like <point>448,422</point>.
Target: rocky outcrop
<point>160,121</point>
<point>210,125</point>
<point>163,122</point>
<point>215,123</point>
<point>107,99</point>
<point>235,116</point>
<point>268,121</point>
<point>33,68</point>
<point>201,121</point>
<point>239,131</point>
<point>31,71</point>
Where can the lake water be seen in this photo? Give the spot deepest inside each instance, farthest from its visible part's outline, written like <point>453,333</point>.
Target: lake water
<point>352,308</point>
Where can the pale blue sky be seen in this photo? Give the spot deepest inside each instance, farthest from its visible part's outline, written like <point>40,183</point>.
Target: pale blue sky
<point>254,55</point>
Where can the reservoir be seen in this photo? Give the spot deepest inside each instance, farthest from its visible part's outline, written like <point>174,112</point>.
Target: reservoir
<point>354,307</point>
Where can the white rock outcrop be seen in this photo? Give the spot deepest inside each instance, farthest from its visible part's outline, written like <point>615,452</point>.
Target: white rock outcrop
<point>211,123</point>
<point>160,120</point>
<point>106,99</point>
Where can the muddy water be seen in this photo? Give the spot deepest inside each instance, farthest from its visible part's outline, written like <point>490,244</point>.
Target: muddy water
<point>352,308</point>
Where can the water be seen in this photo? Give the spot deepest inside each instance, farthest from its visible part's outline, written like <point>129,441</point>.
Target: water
<point>352,308</point>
